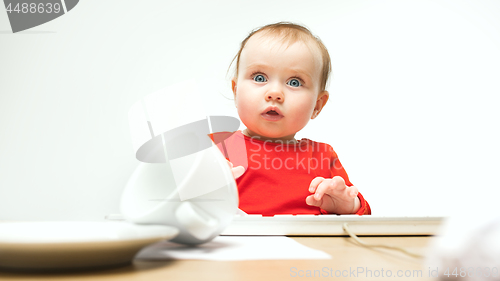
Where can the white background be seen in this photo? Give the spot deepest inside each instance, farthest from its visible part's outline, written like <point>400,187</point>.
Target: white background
<point>413,110</point>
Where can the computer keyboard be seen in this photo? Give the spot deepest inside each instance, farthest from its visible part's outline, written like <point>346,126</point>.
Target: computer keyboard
<point>331,225</point>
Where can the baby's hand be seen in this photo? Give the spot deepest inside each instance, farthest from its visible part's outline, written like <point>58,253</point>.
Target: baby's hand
<point>237,171</point>
<point>333,196</point>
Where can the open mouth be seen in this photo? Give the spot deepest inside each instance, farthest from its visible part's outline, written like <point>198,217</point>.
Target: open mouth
<point>272,113</point>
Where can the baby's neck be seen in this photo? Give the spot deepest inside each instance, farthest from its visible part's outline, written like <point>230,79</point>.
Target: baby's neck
<point>251,135</point>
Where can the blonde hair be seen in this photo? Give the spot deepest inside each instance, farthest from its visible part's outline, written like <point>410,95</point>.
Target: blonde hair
<point>290,33</point>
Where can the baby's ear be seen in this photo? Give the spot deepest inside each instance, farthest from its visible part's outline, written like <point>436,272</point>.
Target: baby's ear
<point>233,85</point>
<point>320,103</point>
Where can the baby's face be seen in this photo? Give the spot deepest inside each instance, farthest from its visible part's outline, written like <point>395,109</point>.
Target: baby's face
<point>277,89</point>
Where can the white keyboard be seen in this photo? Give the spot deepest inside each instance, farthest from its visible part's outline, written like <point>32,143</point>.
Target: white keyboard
<point>331,225</point>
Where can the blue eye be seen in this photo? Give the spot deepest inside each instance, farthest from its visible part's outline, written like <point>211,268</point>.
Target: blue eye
<point>259,78</point>
<point>294,83</point>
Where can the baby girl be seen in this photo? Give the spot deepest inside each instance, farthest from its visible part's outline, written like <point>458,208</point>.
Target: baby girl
<point>279,85</point>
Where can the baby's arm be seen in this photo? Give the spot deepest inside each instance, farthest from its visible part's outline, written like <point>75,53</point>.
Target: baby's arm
<point>333,196</point>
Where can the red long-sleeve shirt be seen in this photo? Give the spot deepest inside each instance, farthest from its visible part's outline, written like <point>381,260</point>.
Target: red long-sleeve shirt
<point>277,175</point>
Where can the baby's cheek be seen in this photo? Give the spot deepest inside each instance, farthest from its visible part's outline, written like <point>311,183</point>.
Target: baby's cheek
<point>242,109</point>
<point>244,113</point>
<point>303,115</point>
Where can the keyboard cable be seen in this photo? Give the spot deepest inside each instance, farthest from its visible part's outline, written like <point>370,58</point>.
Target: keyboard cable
<point>368,245</point>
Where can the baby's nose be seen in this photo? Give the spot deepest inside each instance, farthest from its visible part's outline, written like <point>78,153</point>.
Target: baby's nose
<point>275,96</point>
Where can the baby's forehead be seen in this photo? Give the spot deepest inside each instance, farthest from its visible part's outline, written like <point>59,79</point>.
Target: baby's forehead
<point>277,42</point>
<point>280,42</point>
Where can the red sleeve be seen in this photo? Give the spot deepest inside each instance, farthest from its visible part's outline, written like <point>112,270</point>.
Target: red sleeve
<point>364,209</point>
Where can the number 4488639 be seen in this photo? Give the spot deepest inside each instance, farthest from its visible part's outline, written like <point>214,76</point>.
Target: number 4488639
<point>34,8</point>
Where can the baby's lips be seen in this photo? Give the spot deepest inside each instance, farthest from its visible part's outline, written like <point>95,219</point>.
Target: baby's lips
<point>272,108</point>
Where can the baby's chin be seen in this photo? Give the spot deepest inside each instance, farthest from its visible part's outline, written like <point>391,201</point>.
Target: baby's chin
<point>270,134</point>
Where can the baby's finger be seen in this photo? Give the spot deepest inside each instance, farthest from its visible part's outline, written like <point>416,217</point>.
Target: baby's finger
<point>230,164</point>
<point>353,191</point>
<point>314,183</point>
<point>311,201</point>
<point>322,189</point>
<point>337,186</point>
<point>238,171</point>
